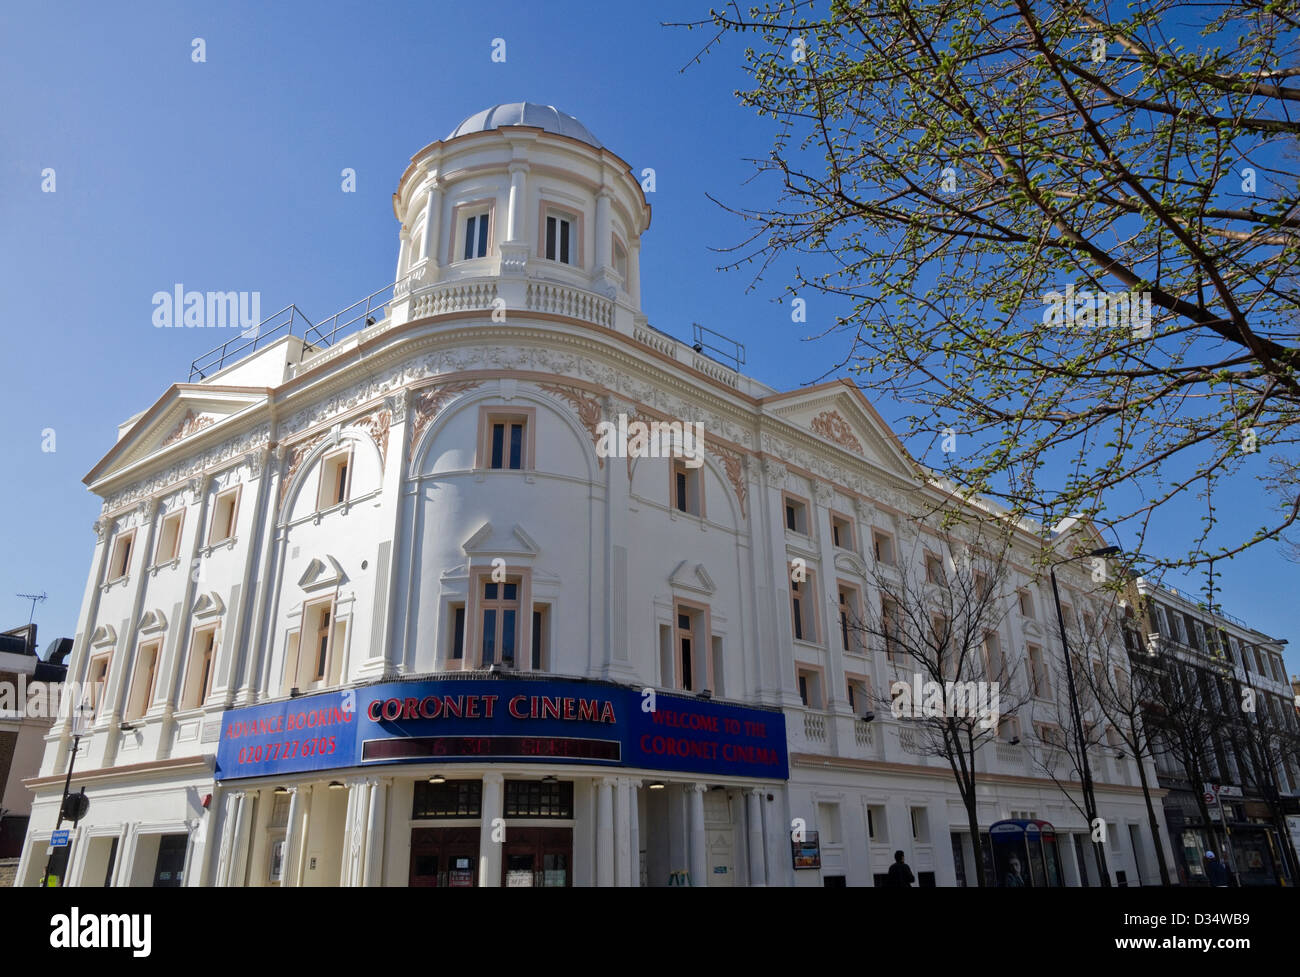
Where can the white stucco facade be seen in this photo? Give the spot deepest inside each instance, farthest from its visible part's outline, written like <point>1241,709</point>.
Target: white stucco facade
<point>344,506</point>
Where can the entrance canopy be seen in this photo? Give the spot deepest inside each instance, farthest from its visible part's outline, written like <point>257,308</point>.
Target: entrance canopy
<point>453,720</point>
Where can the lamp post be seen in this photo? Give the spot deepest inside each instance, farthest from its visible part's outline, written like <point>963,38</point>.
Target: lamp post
<point>1085,771</point>
<point>78,730</point>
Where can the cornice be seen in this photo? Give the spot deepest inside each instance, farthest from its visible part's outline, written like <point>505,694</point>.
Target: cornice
<point>601,362</point>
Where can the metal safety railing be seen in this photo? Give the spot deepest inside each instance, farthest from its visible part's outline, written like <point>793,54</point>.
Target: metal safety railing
<point>247,342</point>
<point>371,309</point>
<point>731,354</point>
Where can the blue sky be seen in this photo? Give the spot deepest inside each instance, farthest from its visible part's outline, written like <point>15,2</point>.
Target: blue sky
<point>225,175</point>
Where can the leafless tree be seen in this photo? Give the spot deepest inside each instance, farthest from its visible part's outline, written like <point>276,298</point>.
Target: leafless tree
<point>937,623</point>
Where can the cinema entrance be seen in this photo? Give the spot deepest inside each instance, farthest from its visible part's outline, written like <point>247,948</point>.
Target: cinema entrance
<point>444,857</point>
<point>537,857</point>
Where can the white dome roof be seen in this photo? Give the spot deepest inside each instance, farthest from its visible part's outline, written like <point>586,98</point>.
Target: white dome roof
<point>545,117</point>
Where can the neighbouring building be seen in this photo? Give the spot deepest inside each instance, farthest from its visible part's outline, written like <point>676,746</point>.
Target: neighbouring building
<point>25,717</point>
<point>391,601</point>
<point>1235,722</point>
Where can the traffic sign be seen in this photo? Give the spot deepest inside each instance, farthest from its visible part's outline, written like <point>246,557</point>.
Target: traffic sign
<point>60,839</point>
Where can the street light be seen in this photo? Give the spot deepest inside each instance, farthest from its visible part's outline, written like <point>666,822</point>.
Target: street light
<point>1085,771</point>
<point>78,730</point>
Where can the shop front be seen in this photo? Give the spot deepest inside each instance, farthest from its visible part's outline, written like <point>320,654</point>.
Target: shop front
<point>499,782</point>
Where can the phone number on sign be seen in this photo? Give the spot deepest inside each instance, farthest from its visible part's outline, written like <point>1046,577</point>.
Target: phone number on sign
<point>270,752</point>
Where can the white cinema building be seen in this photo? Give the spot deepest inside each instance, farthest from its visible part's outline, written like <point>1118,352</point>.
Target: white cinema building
<point>367,606</point>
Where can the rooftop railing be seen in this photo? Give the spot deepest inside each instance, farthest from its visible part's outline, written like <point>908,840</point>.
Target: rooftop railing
<point>319,335</point>
<point>269,328</point>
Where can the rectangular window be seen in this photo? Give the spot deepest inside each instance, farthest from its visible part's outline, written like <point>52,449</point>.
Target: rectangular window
<point>686,488</point>
<point>560,238</point>
<point>850,625</point>
<point>499,611</point>
<point>1050,734</point>
<point>828,822</point>
<point>314,658</point>
<point>223,516</point>
<point>876,823</point>
<point>142,686</point>
<point>1026,603</point>
<point>536,799</point>
<point>199,681</point>
<point>859,692</point>
<point>992,655</point>
<point>796,515</point>
<point>321,645</point>
<point>719,667</point>
<point>120,564</point>
<point>449,799</point>
<point>841,532</point>
<point>1038,672</point>
<point>919,832</point>
<point>541,637</point>
<point>883,545</point>
<point>802,613</point>
<point>476,236</point>
<point>96,676</point>
<point>891,624</point>
<point>458,632</point>
<point>505,444</point>
<point>933,569</point>
<point>335,471</point>
<point>810,693</point>
<point>691,648</point>
<point>169,538</point>
<point>620,259</point>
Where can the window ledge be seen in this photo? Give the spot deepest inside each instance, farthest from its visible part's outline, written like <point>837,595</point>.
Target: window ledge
<point>165,565</point>
<point>108,585</point>
<point>210,548</point>
<point>675,513</point>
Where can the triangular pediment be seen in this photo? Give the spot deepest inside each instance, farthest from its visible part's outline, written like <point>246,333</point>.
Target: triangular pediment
<point>694,578</point>
<point>488,540</point>
<point>838,413</point>
<point>187,415</point>
<point>151,621</point>
<point>322,573</point>
<point>208,605</point>
<point>104,635</point>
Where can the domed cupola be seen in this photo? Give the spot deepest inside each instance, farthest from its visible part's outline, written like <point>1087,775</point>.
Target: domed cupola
<point>545,117</point>
<point>520,204</point>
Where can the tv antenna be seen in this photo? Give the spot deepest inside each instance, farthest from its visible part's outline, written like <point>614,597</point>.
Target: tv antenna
<point>34,598</point>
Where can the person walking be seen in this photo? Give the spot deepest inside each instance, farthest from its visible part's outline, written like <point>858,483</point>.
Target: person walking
<point>900,876</point>
<point>1218,875</point>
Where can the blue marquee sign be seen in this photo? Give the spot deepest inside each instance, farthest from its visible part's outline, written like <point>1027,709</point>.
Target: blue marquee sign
<point>507,719</point>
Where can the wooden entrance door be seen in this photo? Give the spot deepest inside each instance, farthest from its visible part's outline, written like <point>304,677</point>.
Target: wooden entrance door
<point>444,857</point>
<point>537,857</point>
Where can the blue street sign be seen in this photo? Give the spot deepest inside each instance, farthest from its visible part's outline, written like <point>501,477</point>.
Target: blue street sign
<point>60,839</point>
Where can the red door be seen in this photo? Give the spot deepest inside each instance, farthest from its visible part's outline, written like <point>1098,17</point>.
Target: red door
<point>446,857</point>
